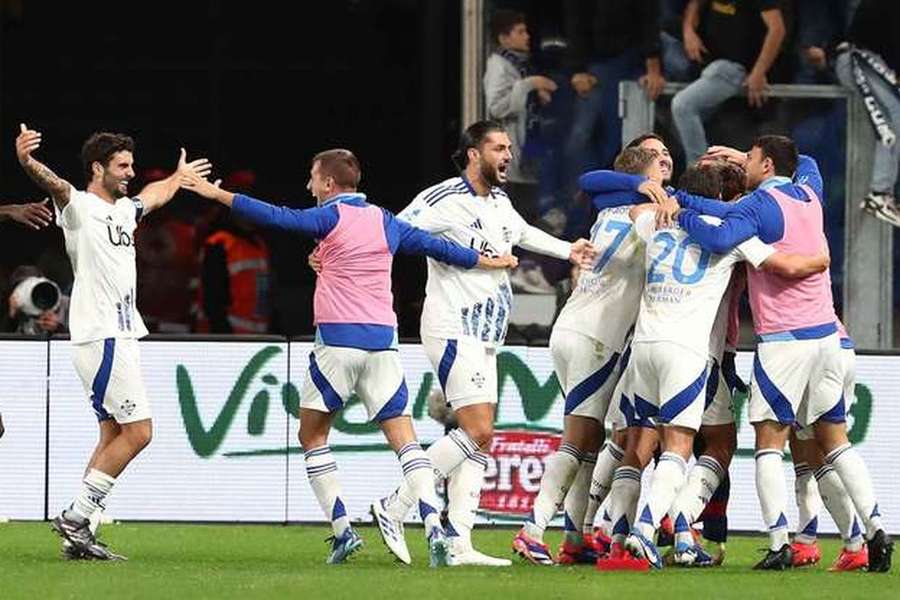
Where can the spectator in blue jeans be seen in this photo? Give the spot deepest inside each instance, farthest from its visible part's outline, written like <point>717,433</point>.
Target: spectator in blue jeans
<point>868,63</point>
<point>611,41</point>
<point>739,41</point>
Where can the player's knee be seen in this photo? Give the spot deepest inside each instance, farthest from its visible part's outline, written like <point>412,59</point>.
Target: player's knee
<point>140,434</point>
<point>482,435</point>
<point>310,438</point>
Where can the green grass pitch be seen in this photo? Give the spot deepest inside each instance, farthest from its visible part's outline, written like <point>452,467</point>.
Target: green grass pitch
<point>271,561</point>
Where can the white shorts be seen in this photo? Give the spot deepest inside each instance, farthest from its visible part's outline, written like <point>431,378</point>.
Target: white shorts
<point>587,372</point>
<point>110,371</point>
<point>375,376</point>
<point>839,413</point>
<point>797,382</point>
<point>466,368</point>
<point>667,384</point>
<point>620,413</point>
<point>719,409</point>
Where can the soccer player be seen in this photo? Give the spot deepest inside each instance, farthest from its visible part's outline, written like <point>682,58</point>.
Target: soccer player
<point>586,343</point>
<point>798,377</point>
<point>464,322</point>
<point>98,225</point>
<point>356,329</point>
<point>816,483</point>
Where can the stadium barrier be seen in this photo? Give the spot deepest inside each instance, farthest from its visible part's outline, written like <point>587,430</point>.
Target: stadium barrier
<point>225,446</point>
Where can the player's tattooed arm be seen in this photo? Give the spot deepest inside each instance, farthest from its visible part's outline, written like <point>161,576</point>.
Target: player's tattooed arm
<point>27,142</point>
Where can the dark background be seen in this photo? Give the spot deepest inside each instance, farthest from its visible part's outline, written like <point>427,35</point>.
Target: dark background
<point>251,85</point>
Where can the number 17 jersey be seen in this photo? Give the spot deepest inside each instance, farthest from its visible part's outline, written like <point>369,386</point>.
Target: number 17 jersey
<point>604,304</point>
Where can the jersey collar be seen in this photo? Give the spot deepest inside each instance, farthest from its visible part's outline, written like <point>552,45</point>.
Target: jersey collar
<point>773,181</point>
<point>352,198</point>
<point>471,189</point>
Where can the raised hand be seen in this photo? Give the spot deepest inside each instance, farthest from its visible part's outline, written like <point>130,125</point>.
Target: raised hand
<point>583,253</point>
<point>727,153</point>
<point>507,261</point>
<point>27,142</point>
<point>654,191</point>
<point>192,180</point>
<point>199,166</point>
<point>667,213</point>
<point>35,215</point>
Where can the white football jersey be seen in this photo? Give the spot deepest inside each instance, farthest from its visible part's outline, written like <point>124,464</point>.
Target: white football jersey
<point>685,284</point>
<point>719,333</point>
<point>100,243</point>
<point>472,302</point>
<point>604,304</point>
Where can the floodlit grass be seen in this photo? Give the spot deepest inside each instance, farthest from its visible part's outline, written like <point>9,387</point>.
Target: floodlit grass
<point>257,561</point>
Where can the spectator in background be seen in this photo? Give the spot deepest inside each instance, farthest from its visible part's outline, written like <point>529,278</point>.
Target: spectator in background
<point>821,25</point>
<point>21,320</point>
<point>234,293</point>
<point>868,62</point>
<point>611,41</point>
<point>514,94</point>
<point>738,41</point>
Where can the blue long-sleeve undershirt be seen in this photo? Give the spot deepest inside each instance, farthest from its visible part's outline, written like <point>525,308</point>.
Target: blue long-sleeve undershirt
<point>756,214</point>
<point>318,222</point>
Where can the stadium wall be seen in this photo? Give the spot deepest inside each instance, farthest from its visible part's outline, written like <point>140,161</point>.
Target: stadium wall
<point>225,446</point>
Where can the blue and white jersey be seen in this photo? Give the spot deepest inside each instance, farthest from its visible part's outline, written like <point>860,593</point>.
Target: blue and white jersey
<point>100,243</point>
<point>604,304</point>
<point>473,303</point>
<point>685,284</point>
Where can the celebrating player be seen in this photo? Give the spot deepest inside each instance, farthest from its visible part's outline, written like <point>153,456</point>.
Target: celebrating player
<point>98,225</point>
<point>356,329</point>
<point>586,343</point>
<point>798,375</point>
<point>464,322</point>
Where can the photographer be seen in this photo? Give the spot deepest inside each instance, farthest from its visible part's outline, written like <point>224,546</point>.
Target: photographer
<point>36,304</point>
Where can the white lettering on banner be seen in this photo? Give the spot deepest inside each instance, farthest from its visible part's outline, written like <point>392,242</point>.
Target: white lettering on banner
<point>224,444</point>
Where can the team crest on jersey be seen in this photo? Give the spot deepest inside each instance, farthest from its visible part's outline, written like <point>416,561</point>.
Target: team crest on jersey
<point>478,379</point>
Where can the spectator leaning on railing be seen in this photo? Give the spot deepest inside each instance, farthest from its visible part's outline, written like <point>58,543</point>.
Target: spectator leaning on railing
<point>514,94</point>
<point>738,41</point>
<point>868,62</point>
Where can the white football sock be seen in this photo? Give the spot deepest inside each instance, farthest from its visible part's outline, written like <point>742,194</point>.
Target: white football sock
<point>808,504</point>
<point>840,507</point>
<point>607,461</point>
<point>667,478</point>
<point>95,487</point>
<point>94,521</point>
<point>575,504</point>
<point>561,469</point>
<point>464,495</point>
<point>321,470</point>
<point>623,497</point>
<point>694,495</point>
<point>419,478</point>
<point>770,487</point>
<point>855,477</point>
<point>446,455</point>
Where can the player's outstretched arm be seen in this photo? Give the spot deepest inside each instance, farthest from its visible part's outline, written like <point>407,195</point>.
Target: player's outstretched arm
<point>35,215</point>
<point>314,222</point>
<point>27,142</point>
<point>157,194</point>
<point>796,266</point>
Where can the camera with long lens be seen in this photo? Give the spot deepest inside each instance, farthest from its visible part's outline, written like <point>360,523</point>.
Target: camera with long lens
<point>36,295</point>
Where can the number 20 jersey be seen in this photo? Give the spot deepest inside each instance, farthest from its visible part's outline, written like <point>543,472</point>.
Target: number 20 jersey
<point>685,284</point>
<point>604,303</point>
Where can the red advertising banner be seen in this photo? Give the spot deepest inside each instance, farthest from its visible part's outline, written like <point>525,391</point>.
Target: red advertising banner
<point>516,464</point>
